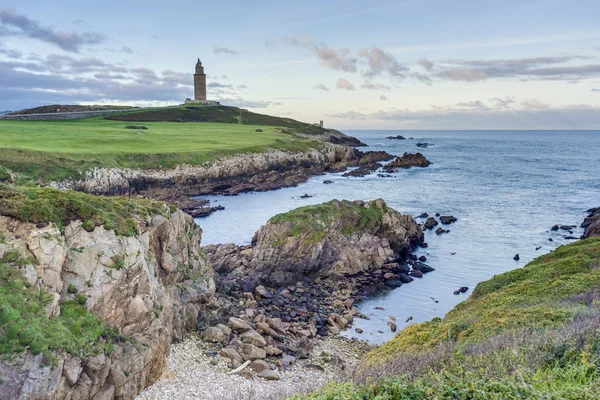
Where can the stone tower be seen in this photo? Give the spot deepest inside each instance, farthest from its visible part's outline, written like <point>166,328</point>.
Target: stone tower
<point>199,82</point>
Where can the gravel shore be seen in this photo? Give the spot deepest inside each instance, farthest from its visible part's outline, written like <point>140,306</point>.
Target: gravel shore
<point>197,372</point>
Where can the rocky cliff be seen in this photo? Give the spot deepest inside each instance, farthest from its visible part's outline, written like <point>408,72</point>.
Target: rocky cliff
<point>107,305</point>
<point>592,223</point>
<point>229,175</point>
<point>325,240</point>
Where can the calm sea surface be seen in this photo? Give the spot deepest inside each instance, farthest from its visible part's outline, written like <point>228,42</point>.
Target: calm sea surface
<point>507,188</point>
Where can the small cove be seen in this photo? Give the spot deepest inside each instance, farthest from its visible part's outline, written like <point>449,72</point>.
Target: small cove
<point>507,188</point>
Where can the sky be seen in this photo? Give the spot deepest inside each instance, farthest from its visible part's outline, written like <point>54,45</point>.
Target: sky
<point>404,64</point>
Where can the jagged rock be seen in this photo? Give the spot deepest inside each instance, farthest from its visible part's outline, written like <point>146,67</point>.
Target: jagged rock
<point>516,257</point>
<point>213,335</point>
<point>251,336</point>
<point>259,366</point>
<point>430,223</point>
<point>346,245</point>
<point>398,137</point>
<point>422,267</point>
<point>272,351</point>
<point>407,161</point>
<point>404,278</point>
<point>262,292</point>
<point>392,325</point>
<point>416,274</point>
<point>133,283</point>
<point>269,375</point>
<point>447,219</point>
<point>252,352</point>
<point>231,353</point>
<point>238,324</point>
<point>592,223</point>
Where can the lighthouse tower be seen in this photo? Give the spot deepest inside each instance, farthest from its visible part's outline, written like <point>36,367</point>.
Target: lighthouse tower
<point>199,82</point>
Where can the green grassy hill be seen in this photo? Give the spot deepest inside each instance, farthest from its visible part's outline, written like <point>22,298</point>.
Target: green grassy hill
<point>53,150</point>
<point>531,333</point>
<point>222,114</point>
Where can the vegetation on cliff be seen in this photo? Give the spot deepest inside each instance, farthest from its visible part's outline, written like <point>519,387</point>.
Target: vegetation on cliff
<point>347,216</point>
<point>44,205</point>
<point>221,114</point>
<point>54,150</point>
<point>532,332</point>
<point>25,325</point>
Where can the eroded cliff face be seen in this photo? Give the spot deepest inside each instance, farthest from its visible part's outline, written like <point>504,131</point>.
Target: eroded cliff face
<point>151,288</point>
<point>230,175</point>
<point>336,238</point>
<point>592,223</point>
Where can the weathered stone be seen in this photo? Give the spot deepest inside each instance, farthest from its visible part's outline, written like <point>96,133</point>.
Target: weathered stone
<point>231,353</point>
<point>262,292</point>
<point>252,352</point>
<point>269,375</point>
<point>253,337</point>
<point>259,366</point>
<point>272,351</point>
<point>213,335</point>
<point>238,324</point>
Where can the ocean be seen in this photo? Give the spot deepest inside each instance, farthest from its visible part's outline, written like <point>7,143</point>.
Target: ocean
<point>506,188</point>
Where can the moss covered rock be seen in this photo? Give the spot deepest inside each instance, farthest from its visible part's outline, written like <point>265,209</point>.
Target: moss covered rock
<point>337,237</point>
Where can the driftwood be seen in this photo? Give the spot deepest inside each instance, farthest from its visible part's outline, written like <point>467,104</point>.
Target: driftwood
<point>238,369</point>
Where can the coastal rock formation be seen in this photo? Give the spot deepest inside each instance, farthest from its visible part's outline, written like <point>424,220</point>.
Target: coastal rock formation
<point>229,175</point>
<point>334,238</point>
<point>407,161</point>
<point>592,223</point>
<point>150,288</point>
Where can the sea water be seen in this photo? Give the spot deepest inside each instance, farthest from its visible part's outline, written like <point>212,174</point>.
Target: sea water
<point>507,189</point>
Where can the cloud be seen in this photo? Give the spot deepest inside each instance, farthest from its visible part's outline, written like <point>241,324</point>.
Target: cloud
<point>382,97</point>
<point>595,90</point>
<point>442,117</point>
<point>426,64</point>
<point>338,60</point>
<point>381,62</point>
<point>502,103</point>
<point>219,85</point>
<point>537,68</point>
<point>242,103</point>
<point>322,87</point>
<point>472,104</point>
<point>68,41</point>
<point>224,50</point>
<point>368,85</point>
<point>11,53</point>
<point>344,84</point>
<point>535,103</point>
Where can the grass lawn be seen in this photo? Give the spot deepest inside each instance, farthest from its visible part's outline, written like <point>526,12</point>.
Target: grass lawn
<point>51,150</point>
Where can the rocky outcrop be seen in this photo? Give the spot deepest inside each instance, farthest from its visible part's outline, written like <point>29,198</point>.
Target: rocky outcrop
<point>151,288</point>
<point>592,223</point>
<point>408,161</point>
<point>330,239</point>
<point>229,175</point>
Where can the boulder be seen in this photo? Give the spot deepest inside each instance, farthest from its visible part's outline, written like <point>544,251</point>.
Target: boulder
<point>259,366</point>
<point>252,352</point>
<point>447,219</point>
<point>269,375</point>
<point>262,293</point>
<point>422,267</point>
<point>430,223</point>
<point>407,161</point>
<point>253,337</point>
<point>213,335</point>
<point>592,223</point>
<point>232,354</point>
<point>238,324</point>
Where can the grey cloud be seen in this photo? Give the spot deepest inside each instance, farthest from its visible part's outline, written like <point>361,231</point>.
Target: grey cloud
<point>240,87</point>
<point>426,79</point>
<point>502,103</point>
<point>219,85</point>
<point>567,117</point>
<point>382,97</point>
<point>11,53</point>
<point>535,103</point>
<point>374,86</point>
<point>224,50</point>
<point>322,87</point>
<point>68,41</point>
<point>595,90</point>
<point>338,60</point>
<point>380,62</point>
<point>426,64</point>
<point>472,104</point>
<point>344,84</point>
<point>541,68</point>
